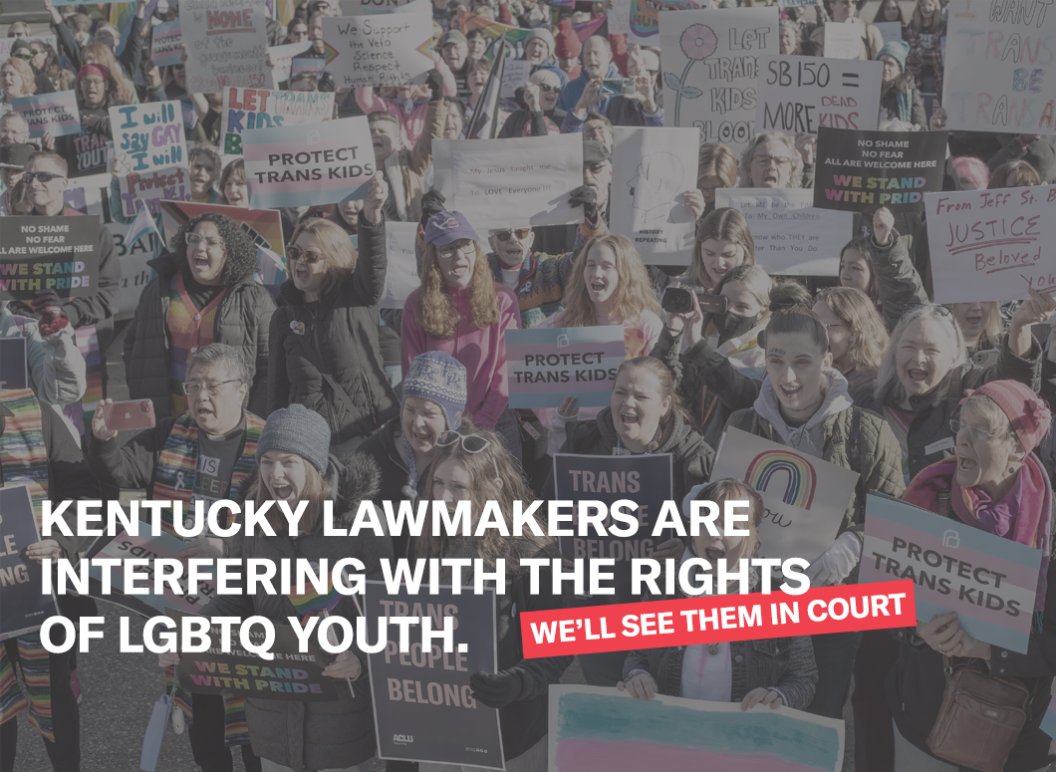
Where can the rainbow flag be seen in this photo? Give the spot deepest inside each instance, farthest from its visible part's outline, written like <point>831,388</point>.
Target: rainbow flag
<point>142,226</point>
<point>121,15</point>
<point>312,602</point>
<point>271,267</point>
<point>587,28</point>
<point>514,35</point>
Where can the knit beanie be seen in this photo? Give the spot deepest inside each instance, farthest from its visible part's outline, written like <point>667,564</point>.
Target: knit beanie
<point>567,45</point>
<point>440,378</point>
<point>897,50</point>
<point>1026,411</point>
<point>296,429</point>
<point>541,33</point>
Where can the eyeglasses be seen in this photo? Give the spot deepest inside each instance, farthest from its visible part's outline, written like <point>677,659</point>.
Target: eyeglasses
<point>94,82</point>
<point>24,54</point>
<point>449,251</point>
<point>310,256</point>
<point>980,434</point>
<point>44,177</point>
<point>193,388</point>
<point>194,239</point>
<point>471,443</point>
<point>520,233</point>
<point>766,160</point>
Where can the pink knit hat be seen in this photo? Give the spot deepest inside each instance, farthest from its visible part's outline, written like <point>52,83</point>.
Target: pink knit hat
<point>1026,411</point>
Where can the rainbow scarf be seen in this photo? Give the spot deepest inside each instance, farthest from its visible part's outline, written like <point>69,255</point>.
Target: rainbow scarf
<point>33,658</point>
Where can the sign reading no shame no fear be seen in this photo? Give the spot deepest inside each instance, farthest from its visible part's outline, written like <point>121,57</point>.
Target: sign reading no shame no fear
<point>57,253</point>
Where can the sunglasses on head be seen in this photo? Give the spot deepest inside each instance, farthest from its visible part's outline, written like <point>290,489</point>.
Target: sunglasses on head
<point>44,177</point>
<point>310,256</point>
<point>519,233</point>
<point>471,443</point>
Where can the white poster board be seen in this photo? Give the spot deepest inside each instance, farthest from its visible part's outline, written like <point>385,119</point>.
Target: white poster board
<point>890,31</point>
<point>791,236</point>
<point>651,169</point>
<point>282,59</point>
<point>711,68</point>
<point>515,74</point>
<point>797,94</point>
<point>842,41</point>
<point>149,136</point>
<point>514,181</point>
<point>386,50</point>
<point>226,44</point>
<point>401,273</point>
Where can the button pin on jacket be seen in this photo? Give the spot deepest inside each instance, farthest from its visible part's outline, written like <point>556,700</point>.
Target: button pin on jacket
<point>297,327</point>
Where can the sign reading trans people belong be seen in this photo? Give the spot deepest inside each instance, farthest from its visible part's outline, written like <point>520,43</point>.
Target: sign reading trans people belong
<point>547,365</point>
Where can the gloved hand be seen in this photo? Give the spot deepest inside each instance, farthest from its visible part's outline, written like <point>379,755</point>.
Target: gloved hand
<point>836,563</point>
<point>496,690</point>
<point>586,197</point>
<point>435,82</point>
<point>432,202</point>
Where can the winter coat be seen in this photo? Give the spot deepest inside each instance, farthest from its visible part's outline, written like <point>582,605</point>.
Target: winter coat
<point>898,281</point>
<point>1038,154</point>
<point>917,116</point>
<point>56,366</point>
<point>314,735</point>
<point>242,320</point>
<point>341,332</point>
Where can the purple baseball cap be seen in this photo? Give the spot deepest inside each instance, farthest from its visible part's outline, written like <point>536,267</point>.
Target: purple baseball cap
<point>445,227</point>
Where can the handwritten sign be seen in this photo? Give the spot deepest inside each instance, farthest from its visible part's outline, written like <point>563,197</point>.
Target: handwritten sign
<point>369,7</point>
<point>14,371</point>
<point>167,43</point>
<point>24,605</point>
<point>805,497</point>
<point>247,108</point>
<point>391,49</point>
<point>401,271</point>
<point>55,113</point>
<point>522,180</point>
<point>226,44</point>
<point>842,41</point>
<point>711,69</point>
<point>547,365</point>
<point>991,244</point>
<point>857,169</point>
<point>305,165</point>
<point>170,183</point>
<point>798,94</point>
<point>282,59</point>
<point>316,67</point>
<point>148,136</point>
<point>988,580</point>
<point>57,253</point>
<point>515,74</point>
<point>791,236</point>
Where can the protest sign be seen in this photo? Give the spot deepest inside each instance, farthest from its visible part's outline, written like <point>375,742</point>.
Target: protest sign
<point>14,372</point>
<point>619,19</point>
<point>322,163</point>
<point>515,74</point>
<point>594,727</point>
<point>889,30</point>
<point>170,183</point>
<point>282,59</point>
<point>646,480</point>
<point>124,546</point>
<point>805,497</point>
<point>795,3</point>
<point>842,41</point>
<point>643,18</point>
<point>57,253</point>
<point>369,7</point>
<point>711,69</point>
<point>148,136</point>
<point>857,169</point>
<point>546,365</point>
<point>791,236</point>
<point>989,244</point>
<point>55,113</point>
<point>289,676</point>
<point>990,581</point>
<point>798,94</point>
<point>166,45</point>
<point>23,604</point>
<point>520,180</point>
<point>1048,722</point>
<point>998,73</point>
<point>379,51</point>
<point>247,108</point>
<point>651,169</point>
<point>423,706</point>
<point>401,272</point>
<point>226,44</point>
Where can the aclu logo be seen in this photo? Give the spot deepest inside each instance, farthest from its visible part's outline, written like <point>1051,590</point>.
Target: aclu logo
<point>403,739</point>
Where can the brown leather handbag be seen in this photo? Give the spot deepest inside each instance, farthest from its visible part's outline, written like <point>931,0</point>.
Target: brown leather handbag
<point>980,718</point>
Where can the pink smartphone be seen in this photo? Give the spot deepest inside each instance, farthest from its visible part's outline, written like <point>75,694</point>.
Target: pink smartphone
<point>134,414</point>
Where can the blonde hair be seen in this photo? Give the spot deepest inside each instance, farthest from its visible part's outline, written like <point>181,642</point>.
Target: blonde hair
<point>888,388</point>
<point>917,20</point>
<point>869,336</point>
<point>22,67</point>
<point>795,175</point>
<point>338,253</point>
<point>717,160</point>
<point>634,292</point>
<point>753,278</point>
<point>993,329</point>
<point>1014,174</point>
<point>725,224</point>
<point>437,313</point>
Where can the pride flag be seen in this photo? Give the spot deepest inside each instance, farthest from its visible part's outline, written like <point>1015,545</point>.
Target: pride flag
<point>142,226</point>
<point>313,602</point>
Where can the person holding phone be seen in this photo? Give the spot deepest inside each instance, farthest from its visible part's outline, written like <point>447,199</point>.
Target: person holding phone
<point>55,365</point>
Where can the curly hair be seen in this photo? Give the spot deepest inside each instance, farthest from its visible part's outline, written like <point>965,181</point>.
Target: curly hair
<point>100,53</point>
<point>795,175</point>
<point>240,255</point>
<point>437,313</point>
<point>25,71</point>
<point>634,292</point>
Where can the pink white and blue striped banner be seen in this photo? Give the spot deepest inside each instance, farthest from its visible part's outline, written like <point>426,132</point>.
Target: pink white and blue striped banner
<point>544,366</point>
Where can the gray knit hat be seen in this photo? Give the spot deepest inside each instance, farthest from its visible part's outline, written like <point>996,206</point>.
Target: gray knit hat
<point>440,378</point>
<point>543,34</point>
<point>296,429</point>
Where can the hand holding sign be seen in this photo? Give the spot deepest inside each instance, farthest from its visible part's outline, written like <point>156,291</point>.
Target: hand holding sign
<point>345,665</point>
<point>377,194</point>
<point>48,548</point>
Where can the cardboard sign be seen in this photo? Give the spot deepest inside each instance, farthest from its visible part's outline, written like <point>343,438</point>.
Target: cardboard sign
<point>289,676</point>
<point>520,180</point>
<point>515,74</point>
<point>988,580</point>
<point>791,236</point>
<point>58,253</point>
<point>991,244</point>
<point>226,44</point>
<point>603,728</point>
<point>149,136</point>
<point>247,108</point>
<point>861,169</point>
<point>322,163</point>
<point>388,50</point>
<point>282,59</point>
<point>14,368</point>
<point>401,272</point>
<point>798,94</point>
<point>999,70</point>
<point>544,366</point>
<point>651,169</point>
<point>805,498</point>
<point>842,41</point>
<point>166,45</point>
<point>171,183</point>
<point>711,69</point>
<point>23,604</point>
<point>55,113</point>
<point>646,480</point>
<point>423,706</point>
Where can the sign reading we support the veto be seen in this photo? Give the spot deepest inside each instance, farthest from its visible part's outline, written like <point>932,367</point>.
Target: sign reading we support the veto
<point>390,49</point>
<point>800,94</point>
<point>57,253</point>
<point>544,366</point>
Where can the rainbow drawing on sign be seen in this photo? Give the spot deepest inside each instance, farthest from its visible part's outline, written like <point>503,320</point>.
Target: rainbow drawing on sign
<point>800,477</point>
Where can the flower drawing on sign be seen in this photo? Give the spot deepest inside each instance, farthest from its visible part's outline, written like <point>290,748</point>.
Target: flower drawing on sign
<point>698,42</point>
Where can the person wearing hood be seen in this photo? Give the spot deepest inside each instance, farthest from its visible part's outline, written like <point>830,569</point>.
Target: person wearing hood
<point>54,365</point>
<point>204,292</point>
<point>539,46</point>
<point>597,65</point>
<point>294,465</point>
<point>803,404</point>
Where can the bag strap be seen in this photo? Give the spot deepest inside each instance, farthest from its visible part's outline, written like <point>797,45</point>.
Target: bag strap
<point>339,392</point>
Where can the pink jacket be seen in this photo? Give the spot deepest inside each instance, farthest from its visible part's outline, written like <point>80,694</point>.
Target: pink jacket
<point>413,122</point>
<point>481,352</point>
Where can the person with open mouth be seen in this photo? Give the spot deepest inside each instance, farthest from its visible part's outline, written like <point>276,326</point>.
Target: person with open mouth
<point>773,160</point>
